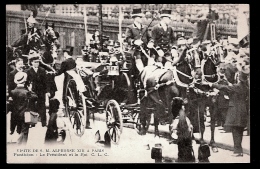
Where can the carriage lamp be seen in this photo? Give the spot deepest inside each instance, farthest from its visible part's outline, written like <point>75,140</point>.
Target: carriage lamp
<point>113,68</point>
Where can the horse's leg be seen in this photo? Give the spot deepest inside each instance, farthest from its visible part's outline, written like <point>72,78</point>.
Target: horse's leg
<point>143,116</point>
<point>213,114</point>
<point>158,110</point>
<point>202,106</point>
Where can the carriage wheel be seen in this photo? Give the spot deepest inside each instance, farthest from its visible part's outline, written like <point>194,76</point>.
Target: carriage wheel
<point>137,124</point>
<point>114,120</point>
<point>75,108</point>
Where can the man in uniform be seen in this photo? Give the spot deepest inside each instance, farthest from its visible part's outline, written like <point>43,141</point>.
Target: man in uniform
<point>30,41</point>
<point>137,35</point>
<point>162,36</point>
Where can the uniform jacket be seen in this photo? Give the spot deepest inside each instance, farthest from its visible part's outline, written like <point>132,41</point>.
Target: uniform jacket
<point>161,38</point>
<point>66,65</point>
<point>22,41</point>
<point>20,97</point>
<point>133,33</point>
<point>39,80</point>
<point>237,113</point>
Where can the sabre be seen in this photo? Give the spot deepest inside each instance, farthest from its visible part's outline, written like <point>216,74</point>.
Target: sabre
<point>47,14</point>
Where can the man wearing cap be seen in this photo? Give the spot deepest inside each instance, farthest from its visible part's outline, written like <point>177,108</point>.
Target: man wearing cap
<point>37,76</point>
<point>31,40</point>
<point>162,36</point>
<point>237,116</point>
<point>137,35</point>
<point>21,98</point>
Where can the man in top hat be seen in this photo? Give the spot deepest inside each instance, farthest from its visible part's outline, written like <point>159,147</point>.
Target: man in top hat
<point>237,116</point>
<point>37,77</point>
<point>137,35</point>
<point>68,67</point>
<point>162,36</point>
<point>31,40</point>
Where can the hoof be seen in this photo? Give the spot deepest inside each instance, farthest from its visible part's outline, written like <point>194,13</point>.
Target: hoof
<point>214,149</point>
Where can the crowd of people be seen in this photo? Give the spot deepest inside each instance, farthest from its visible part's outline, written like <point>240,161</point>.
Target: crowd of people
<point>28,88</point>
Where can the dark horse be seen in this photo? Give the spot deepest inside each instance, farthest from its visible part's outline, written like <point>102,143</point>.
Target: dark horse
<point>210,74</point>
<point>161,87</point>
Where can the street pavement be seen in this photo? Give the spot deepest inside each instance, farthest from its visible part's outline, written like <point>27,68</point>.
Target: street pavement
<point>130,149</point>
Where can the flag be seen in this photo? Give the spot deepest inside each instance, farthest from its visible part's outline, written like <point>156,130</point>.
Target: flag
<point>242,25</point>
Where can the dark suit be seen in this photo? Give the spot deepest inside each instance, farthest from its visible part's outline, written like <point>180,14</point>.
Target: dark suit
<point>66,65</point>
<point>20,97</point>
<point>39,86</point>
<point>222,103</point>
<point>163,39</point>
<point>237,116</point>
<point>134,33</point>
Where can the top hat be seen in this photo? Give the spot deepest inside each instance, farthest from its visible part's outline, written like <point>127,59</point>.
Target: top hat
<point>137,11</point>
<point>165,12</point>
<point>31,19</point>
<point>69,49</point>
<point>20,77</point>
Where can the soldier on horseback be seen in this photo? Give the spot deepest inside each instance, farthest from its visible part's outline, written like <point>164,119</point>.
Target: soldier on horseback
<point>30,40</point>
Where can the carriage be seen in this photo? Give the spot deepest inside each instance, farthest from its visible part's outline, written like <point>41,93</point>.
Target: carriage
<point>117,96</point>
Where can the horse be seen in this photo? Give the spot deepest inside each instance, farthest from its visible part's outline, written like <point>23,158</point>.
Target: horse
<point>209,74</point>
<point>160,88</point>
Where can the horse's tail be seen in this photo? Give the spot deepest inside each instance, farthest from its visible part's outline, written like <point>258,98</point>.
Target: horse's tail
<point>183,128</point>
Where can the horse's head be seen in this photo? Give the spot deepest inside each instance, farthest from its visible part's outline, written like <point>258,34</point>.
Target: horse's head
<point>51,35</point>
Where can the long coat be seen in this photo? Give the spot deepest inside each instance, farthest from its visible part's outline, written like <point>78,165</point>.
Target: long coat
<point>164,39</point>
<point>237,113</point>
<point>133,33</point>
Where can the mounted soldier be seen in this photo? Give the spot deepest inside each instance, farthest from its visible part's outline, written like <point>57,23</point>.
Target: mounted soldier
<point>30,40</point>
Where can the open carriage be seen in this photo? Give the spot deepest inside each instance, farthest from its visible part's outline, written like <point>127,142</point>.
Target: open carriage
<point>112,90</point>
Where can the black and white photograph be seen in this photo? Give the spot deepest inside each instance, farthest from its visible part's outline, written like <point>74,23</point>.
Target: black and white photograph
<point>127,83</point>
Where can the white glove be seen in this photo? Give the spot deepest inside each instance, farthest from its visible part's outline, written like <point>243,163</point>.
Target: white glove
<point>150,45</point>
<point>174,53</point>
<point>160,53</point>
<point>138,42</point>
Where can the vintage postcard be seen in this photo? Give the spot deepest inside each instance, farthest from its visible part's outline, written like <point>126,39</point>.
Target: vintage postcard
<point>127,83</point>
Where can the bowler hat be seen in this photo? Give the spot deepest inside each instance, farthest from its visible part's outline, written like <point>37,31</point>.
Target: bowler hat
<point>20,77</point>
<point>137,11</point>
<point>69,49</point>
